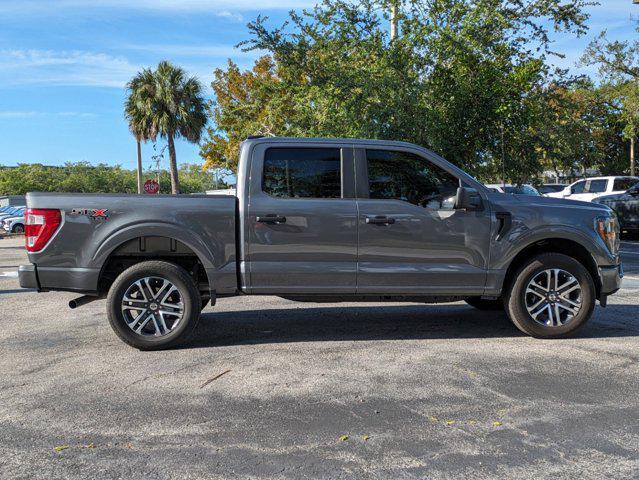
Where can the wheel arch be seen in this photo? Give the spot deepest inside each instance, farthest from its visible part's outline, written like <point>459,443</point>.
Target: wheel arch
<point>568,247</point>
<point>129,250</point>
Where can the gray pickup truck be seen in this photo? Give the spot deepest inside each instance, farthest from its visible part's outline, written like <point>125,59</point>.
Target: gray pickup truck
<point>325,220</point>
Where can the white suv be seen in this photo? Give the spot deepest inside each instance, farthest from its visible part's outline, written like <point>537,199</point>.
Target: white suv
<point>590,188</point>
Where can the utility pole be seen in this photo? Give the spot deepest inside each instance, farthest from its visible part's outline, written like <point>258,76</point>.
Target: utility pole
<point>632,139</point>
<point>632,145</point>
<point>393,31</point>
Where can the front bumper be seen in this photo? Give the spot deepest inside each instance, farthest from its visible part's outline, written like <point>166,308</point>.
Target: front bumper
<point>28,277</point>
<point>611,277</point>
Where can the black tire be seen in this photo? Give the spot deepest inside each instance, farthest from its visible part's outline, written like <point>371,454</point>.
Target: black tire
<point>186,288</point>
<point>18,228</point>
<point>515,298</point>
<point>485,304</point>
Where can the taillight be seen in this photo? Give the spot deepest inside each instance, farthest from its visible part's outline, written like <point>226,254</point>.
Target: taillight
<point>39,226</point>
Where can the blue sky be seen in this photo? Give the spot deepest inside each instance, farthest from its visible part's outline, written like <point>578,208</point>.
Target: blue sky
<point>64,64</point>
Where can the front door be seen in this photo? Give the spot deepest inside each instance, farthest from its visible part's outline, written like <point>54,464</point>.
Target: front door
<point>302,219</point>
<point>411,239</point>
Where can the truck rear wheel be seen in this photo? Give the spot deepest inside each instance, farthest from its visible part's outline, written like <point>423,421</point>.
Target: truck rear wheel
<point>154,305</point>
<point>552,296</point>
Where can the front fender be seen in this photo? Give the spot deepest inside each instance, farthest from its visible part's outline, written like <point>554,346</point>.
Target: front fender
<point>505,250</point>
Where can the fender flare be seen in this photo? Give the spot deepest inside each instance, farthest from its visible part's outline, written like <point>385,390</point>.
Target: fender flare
<point>598,252</point>
<point>153,229</point>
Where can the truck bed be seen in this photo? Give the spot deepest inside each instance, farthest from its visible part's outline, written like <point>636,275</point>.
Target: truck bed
<point>94,227</point>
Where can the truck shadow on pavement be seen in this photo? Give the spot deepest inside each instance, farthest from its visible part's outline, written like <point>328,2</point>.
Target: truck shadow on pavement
<point>405,322</point>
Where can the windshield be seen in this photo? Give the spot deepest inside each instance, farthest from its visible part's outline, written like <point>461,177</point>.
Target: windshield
<point>521,190</point>
<point>551,188</point>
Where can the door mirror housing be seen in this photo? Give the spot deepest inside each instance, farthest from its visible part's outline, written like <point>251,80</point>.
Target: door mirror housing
<point>467,199</point>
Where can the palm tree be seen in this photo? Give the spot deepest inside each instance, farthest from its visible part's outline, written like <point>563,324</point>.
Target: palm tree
<point>137,112</point>
<point>166,102</point>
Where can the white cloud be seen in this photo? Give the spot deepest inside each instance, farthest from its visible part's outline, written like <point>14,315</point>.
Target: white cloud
<point>74,68</point>
<point>230,15</point>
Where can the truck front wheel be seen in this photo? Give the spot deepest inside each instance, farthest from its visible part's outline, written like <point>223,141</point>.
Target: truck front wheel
<point>154,305</point>
<point>552,296</point>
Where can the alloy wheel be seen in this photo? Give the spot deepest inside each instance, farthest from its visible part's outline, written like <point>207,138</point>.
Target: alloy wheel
<point>152,306</point>
<point>553,297</point>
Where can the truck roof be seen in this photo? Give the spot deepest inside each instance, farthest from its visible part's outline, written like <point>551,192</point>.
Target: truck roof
<point>310,140</point>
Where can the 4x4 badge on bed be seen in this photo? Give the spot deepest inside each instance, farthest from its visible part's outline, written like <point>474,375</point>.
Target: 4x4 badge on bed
<point>101,213</point>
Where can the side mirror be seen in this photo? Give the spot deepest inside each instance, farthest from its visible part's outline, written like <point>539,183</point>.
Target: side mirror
<point>467,199</point>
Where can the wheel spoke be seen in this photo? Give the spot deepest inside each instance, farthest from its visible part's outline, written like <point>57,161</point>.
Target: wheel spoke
<point>544,306</point>
<point>140,321</point>
<point>536,285</point>
<point>571,282</point>
<point>531,289</point>
<point>166,285</point>
<point>568,308</point>
<point>558,315</point>
<point>168,294</point>
<point>551,318</point>
<point>135,304</point>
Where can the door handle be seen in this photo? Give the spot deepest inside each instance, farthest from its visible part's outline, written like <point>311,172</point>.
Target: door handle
<point>271,218</point>
<point>380,220</point>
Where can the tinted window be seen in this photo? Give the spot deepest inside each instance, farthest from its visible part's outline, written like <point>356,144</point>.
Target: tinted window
<point>597,186</point>
<point>521,190</point>
<point>623,184</point>
<point>578,187</point>
<point>411,178</point>
<point>551,188</point>
<point>302,172</point>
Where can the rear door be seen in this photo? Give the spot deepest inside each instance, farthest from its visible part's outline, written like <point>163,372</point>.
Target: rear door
<point>593,188</point>
<point>302,219</point>
<point>411,239</point>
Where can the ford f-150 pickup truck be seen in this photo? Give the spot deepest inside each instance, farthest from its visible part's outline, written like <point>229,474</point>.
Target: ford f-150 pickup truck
<point>325,220</point>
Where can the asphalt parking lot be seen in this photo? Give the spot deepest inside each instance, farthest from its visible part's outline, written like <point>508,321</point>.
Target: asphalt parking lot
<point>275,389</point>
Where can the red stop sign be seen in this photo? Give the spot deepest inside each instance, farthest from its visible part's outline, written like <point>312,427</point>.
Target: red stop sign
<point>151,186</point>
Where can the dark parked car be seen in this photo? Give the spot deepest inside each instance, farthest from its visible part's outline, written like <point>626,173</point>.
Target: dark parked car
<point>626,205</point>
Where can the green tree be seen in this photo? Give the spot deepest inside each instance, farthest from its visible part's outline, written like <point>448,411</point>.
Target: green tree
<point>167,103</point>
<point>83,177</point>
<point>138,112</point>
<point>618,63</point>
<point>458,74</point>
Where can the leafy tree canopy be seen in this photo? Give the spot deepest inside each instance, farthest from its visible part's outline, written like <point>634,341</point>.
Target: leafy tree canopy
<point>84,178</point>
<point>461,76</point>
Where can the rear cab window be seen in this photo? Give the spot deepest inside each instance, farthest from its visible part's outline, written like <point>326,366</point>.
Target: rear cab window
<point>291,172</point>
